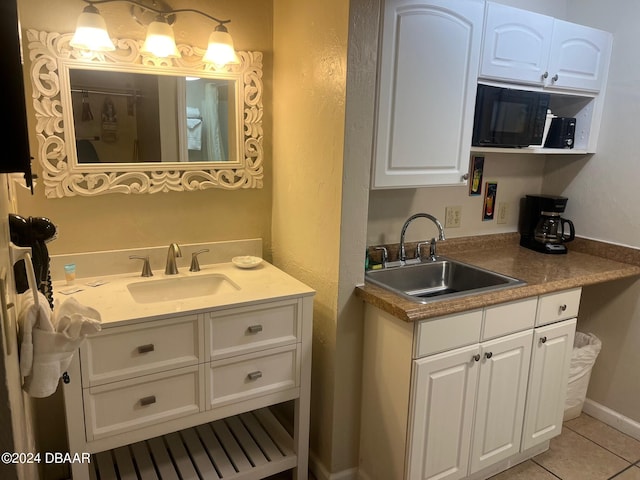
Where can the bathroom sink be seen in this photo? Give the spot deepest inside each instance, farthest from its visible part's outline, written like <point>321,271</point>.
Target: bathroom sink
<point>180,287</point>
<point>439,280</point>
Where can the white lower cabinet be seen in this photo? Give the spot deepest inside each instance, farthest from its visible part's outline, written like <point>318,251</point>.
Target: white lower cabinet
<point>474,404</point>
<point>191,393</point>
<point>502,391</point>
<point>552,347</point>
<point>445,387</point>
<point>482,386</point>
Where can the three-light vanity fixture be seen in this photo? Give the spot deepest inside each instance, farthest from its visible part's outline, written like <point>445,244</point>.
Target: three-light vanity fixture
<point>91,32</point>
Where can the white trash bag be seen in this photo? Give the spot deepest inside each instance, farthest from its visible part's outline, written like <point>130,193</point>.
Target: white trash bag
<point>586,347</point>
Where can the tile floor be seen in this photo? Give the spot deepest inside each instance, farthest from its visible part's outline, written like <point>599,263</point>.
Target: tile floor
<point>587,449</point>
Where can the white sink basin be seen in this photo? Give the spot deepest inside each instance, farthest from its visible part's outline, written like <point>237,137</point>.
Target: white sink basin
<point>178,288</point>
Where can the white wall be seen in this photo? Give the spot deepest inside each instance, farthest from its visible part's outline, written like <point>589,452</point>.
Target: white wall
<point>604,205</point>
<point>603,193</point>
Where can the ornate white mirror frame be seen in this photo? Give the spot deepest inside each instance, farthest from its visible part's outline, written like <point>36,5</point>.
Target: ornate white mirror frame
<point>51,57</point>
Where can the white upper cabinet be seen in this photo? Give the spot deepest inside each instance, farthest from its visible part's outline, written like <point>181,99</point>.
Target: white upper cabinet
<point>580,57</point>
<point>516,44</point>
<point>526,47</point>
<point>427,85</point>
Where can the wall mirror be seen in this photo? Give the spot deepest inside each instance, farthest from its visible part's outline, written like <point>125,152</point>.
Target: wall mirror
<point>125,122</point>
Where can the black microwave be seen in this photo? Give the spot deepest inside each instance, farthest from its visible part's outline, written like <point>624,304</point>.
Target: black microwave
<point>506,117</point>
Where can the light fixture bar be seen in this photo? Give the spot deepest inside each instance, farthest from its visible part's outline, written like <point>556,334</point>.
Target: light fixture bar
<point>160,11</point>
<point>160,39</point>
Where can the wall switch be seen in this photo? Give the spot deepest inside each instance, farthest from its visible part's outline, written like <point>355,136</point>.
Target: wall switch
<point>503,212</point>
<point>452,216</point>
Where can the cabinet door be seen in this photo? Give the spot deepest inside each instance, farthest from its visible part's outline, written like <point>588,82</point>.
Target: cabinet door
<point>441,414</point>
<point>502,390</point>
<point>516,45</point>
<point>427,87</point>
<point>552,348</point>
<point>579,58</point>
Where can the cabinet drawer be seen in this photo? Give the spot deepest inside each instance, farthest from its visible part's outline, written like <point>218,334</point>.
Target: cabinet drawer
<point>253,375</point>
<point>124,352</point>
<point>445,333</point>
<point>252,329</point>
<point>131,404</point>
<point>509,318</point>
<point>558,306</point>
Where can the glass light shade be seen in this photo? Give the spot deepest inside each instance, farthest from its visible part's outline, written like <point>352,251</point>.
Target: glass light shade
<point>220,50</point>
<point>160,40</point>
<point>91,32</point>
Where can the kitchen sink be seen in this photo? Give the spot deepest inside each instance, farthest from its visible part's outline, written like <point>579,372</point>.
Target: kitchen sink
<point>180,287</point>
<point>439,280</point>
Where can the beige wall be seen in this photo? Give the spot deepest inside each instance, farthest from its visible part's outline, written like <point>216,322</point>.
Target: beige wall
<point>117,221</point>
<point>308,114</point>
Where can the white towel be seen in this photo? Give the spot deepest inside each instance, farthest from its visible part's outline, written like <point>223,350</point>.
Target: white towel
<point>46,346</point>
<point>194,133</point>
<point>193,112</point>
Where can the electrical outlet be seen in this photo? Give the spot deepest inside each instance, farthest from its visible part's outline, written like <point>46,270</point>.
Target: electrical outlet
<point>452,216</point>
<point>503,212</point>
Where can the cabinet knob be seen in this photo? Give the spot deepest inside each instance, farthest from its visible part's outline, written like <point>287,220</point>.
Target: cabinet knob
<point>151,399</point>
<point>254,375</point>
<point>476,357</point>
<point>465,176</point>
<point>488,354</point>
<point>563,307</point>
<point>254,328</point>
<point>146,348</point>
<point>545,75</point>
<point>555,78</point>
<point>543,340</point>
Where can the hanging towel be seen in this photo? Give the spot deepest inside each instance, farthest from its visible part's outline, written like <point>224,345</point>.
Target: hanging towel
<point>31,316</point>
<point>194,128</point>
<point>194,133</point>
<point>49,339</point>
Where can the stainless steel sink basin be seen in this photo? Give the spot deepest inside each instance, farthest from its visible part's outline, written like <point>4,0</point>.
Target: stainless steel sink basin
<point>443,279</point>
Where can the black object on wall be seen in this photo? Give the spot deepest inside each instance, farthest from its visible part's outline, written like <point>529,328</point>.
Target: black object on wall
<point>16,137</point>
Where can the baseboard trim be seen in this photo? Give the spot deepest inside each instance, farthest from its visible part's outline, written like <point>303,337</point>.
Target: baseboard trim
<point>612,418</point>
<point>321,472</point>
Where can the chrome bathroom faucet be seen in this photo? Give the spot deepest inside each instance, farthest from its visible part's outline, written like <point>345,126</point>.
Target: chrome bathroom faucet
<point>172,253</point>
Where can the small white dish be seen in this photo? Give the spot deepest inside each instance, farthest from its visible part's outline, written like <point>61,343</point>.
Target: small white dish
<point>246,261</point>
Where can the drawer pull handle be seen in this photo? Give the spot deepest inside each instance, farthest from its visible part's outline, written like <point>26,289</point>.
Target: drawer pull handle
<point>543,340</point>
<point>476,357</point>
<point>254,375</point>
<point>151,399</point>
<point>563,307</point>
<point>146,348</point>
<point>255,328</point>
<point>488,354</point>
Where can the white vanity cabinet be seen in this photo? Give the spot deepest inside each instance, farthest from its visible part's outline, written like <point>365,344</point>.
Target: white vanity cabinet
<point>427,85</point>
<point>190,392</point>
<point>529,48</point>
<point>468,401</point>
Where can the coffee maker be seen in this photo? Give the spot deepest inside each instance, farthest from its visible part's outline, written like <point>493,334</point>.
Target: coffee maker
<point>541,226</point>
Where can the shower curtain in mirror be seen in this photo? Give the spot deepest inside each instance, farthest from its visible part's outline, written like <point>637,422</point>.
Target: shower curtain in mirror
<point>214,144</point>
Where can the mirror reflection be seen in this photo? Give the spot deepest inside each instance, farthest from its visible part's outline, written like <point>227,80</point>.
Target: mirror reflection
<point>126,117</point>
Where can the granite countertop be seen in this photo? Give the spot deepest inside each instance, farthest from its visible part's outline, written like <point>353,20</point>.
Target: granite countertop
<point>587,262</point>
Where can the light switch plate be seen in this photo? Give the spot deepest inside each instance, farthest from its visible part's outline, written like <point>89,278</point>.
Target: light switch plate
<point>452,216</point>
<point>503,212</point>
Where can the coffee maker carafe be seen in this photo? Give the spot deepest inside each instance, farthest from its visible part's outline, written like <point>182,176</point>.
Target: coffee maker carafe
<point>541,226</point>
